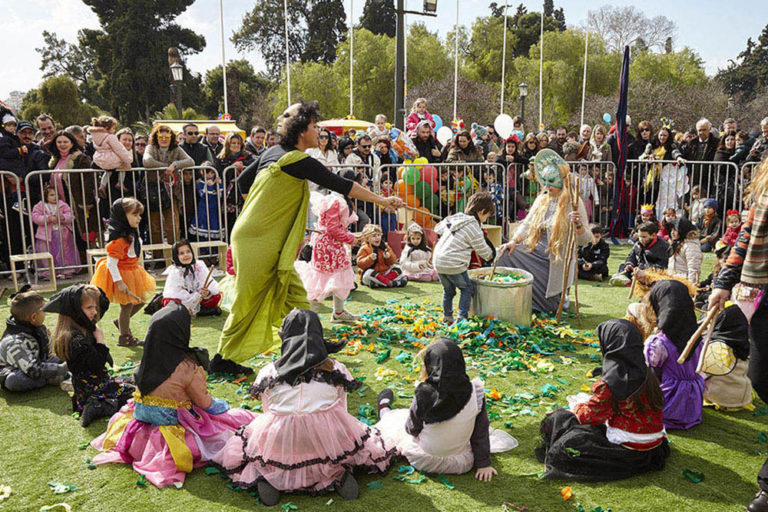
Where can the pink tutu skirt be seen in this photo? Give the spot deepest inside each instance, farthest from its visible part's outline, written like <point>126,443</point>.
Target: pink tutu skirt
<point>306,453</point>
<point>321,285</point>
<point>165,454</point>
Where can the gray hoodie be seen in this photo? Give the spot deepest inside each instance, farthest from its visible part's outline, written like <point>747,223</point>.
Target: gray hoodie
<point>460,234</point>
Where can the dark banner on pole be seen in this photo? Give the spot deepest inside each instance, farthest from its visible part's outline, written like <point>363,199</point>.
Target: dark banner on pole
<point>622,197</point>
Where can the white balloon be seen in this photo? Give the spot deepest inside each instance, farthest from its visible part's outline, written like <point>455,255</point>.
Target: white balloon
<point>504,125</point>
<point>444,135</point>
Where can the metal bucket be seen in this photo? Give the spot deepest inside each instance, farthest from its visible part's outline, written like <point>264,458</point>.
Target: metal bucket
<point>510,302</point>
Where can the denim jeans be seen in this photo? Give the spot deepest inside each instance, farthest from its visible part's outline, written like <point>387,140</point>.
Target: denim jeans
<point>450,282</point>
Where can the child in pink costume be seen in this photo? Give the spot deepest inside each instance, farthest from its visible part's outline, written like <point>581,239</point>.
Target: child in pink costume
<point>330,271</point>
<point>416,258</point>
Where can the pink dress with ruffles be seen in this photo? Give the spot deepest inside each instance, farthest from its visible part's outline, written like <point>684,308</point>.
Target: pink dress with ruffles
<point>306,440</point>
<point>177,434</point>
<point>330,271</point>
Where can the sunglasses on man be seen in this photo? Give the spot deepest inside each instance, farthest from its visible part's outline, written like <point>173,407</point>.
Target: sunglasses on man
<point>192,133</point>
<point>365,146</point>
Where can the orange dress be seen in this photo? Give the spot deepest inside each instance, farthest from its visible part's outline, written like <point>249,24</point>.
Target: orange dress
<point>122,263</point>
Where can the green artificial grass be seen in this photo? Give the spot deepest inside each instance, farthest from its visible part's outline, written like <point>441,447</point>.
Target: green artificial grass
<point>41,442</point>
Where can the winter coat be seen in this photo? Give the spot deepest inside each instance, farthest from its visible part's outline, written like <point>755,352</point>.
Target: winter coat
<point>742,152</point>
<point>456,154</point>
<point>425,148</point>
<point>414,118</point>
<point>613,143</point>
<point>599,153</point>
<point>11,156</point>
<point>460,234</point>
<point>367,258</point>
<point>109,153</point>
<point>156,157</point>
<point>656,255</point>
<point>198,152</point>
<point>691,150</point>
<point>596,254</point>
<point>687,262</point>
<point>47,222</point>
<point>724,155</point>
<point>373,172</point>
<point>20,349</point>
<point>251,148</point>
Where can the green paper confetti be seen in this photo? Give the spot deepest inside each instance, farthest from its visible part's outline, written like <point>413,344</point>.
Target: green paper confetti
<point>580,508</point>
<point>406,470</point>
<point>376,484</point>
<point>210,470</point>
<point>573,452</point>
<point>61,488</point>
<point>329,502</point>
<point>83,446</point>
<point>562,381</point>
<point>761,411</point>
<point>142,481</point>
<point>693,476</point>
<point>289,506</point>
<point>446,482</point>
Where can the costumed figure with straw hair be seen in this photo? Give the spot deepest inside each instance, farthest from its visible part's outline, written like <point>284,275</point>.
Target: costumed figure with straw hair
<point>540,244</point>
<point>748,264</point>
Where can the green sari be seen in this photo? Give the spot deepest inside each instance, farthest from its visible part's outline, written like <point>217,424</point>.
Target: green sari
<point>265,241</point>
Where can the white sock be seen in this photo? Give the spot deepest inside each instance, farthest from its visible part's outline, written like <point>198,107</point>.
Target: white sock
<point>338,306</point>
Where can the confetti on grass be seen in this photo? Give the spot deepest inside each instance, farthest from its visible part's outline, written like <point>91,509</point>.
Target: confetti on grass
<point>142,481</point>
<point>64,506</point>
<point>5,492</point>
<point>210,470</point>
<point>83,446</point>
<point>566,493</point>
<point>289,506</point>
<point>580,508</point>
<point>446,482</point>
<point>61,488</point>
<point>693,476</point>
<point>376,484</point>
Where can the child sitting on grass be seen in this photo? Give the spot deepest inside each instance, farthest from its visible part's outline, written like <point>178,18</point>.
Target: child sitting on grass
<point>80,342</point>
<point>173,424</point>
<point>649,251</point>
<point>25,361</point>
<point>416,258</point>
<point>376,261</point>
<point>460,234</point>
<point>683,388</point>
<point>685,251</point>
<point>305,441</point>
<point>732,391</point>
<point>733,226</point>
<point>617,432</point>
<point>709,226</point>
<point>593,257</point>
<point>186,283</point>
<point>446,429</point>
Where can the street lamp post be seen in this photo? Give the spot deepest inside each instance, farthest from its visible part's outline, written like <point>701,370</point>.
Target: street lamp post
<point>177,73</point>
<point>523,93</point>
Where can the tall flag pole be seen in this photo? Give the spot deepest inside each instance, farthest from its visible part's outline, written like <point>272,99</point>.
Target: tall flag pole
<point>503,57</point>
<point>287,58</point>
<point>541,72</point>
<point>351,54</point>
<point>584,81</point>
<point>456,62</point>
<point>620,195</point>
<point>223,56</point>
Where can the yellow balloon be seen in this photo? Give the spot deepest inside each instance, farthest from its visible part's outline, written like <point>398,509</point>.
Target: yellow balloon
<point>421,160</point>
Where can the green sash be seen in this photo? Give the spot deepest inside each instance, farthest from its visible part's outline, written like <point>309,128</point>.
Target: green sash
<point>265,241</point>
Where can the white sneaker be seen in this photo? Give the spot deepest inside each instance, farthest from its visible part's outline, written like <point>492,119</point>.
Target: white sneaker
<point>620,280</point>
<point>66,385</point>
<point>344,317</point>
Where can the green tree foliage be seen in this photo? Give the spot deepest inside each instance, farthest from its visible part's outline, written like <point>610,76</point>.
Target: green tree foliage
<point>379,17</point>
<point>58,97</point>
<point>326,27</point>
<point>171,113</point>
<point>749,74</point>
<point>130,53</point>
<point>374,68</point>
<point>315,29</point>
<point>246,93</point>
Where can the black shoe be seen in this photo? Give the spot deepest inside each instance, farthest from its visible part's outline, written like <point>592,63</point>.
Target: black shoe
<point>385,394</point>
<point>759,503</point>
<point>215,311</point>
<point>348,489</point>
<point>268,495</point>
<point>97,408</point>
<point>220,365</point>
<point>541,453</point>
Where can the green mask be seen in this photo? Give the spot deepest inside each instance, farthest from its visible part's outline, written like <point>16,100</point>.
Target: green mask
<point>546,165</point>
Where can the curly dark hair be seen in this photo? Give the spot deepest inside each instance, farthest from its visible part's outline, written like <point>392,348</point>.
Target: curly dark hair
<point>162,128</point>
<point>297,123</point>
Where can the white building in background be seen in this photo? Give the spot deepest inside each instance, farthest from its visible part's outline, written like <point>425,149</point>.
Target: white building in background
<point>14,100</point>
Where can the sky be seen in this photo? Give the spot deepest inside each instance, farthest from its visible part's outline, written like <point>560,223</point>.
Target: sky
<point>716,33</point>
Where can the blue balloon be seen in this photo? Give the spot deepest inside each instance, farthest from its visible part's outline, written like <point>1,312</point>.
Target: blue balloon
<point>438,122</point>
<point>607,117</point>
<point>520,134</point>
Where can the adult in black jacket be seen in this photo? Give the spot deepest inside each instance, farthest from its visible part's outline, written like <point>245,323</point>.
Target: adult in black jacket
<point>593,257</point>
<point>238,158</point>
<point>426,144</point>
<point>11,151</point>
<point>36,158</point>
<point>702,149</point>
<point>194,148</point>
<point>613,142</point>
<point>649,251</point>
<point>212,140</point>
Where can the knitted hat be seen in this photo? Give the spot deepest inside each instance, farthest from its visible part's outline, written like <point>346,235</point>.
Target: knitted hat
<point>8,119</point>
<point>711,203</point>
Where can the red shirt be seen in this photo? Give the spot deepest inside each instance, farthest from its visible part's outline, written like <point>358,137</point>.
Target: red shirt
<point>598,410</point>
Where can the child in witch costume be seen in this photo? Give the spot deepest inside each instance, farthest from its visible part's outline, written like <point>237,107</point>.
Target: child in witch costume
<point>306,441</point>
<point>683,388</point>
<point>173,424</point>
<point>119,275</point>
<point>732,391</point>
<point>617,432</point>
<point>80,342</point>
<point>446,429</point>
<point>186,283</point>
<point>25,360</point>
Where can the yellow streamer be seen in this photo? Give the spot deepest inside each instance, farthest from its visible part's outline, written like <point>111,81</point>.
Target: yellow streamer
<point>174,437</point>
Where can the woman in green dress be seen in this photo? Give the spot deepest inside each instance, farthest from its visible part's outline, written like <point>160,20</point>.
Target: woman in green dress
<point>266,237</point>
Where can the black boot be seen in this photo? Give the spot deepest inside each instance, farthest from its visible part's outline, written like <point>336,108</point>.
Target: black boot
<point>348,489</point>
<point>97,408</point>
<point>221,365</point>
<point>759,503</point>
<point>215,311</point>
<point>268,495</point>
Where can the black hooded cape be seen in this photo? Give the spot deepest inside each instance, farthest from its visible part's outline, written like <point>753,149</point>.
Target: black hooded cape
<point>447,388</point>
<point>674,310</point>
<point>624,369</point>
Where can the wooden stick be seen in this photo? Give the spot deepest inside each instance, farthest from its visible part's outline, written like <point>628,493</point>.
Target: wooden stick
<point>632,288</point>
<point>567,254</point>
<point>705,347</point>
<point>416,210</point>
<point>493,270</point>
<point>575,204</point>
<point>692,342</point>
<point>208,277</point>
<point>308,230</point>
